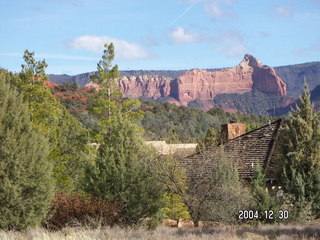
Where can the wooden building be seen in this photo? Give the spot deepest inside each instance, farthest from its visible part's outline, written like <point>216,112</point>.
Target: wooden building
<point>244,151</point>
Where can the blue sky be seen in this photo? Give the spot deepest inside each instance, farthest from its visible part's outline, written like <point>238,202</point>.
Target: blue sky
<point>164,35</point>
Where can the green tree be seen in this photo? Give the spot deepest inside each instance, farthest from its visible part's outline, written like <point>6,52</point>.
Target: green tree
<point>217,194</point>
<point>108,101</point>
<point>67,141</point>
<point>26,184</point>
<point>34,70</point>
<point>121,173</point>
<point>70,153</point>
<point>262,201</point>
<point>300,155</point>
<point>103,104</point>
<point>212,139</point>
<point>174,207</point>
<point>213,193</point>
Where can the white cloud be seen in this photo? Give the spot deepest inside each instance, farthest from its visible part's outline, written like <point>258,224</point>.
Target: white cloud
<point>217,8</point>
<point>123,49</point>
<point>284,11</point>
<point>180,35</point>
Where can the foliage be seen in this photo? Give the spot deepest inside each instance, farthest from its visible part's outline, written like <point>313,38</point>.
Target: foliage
<point>212,139</point>
<point>176,124</point>
<point>66,143</point>
<point>262,201</point>
<point>70,86</point>
<point>165,121</point>
<point>71,153</point>
<point>254,102</point>
<point>174,207</point>
<point>214,193</point>
<point>161,121</point>
<point>300,154</point>
<point>25,172</point>
<point>81,210</point>
<point>120,173</point>
<point>32,70</point>
<point>107,102</point>
<point>103,104</point>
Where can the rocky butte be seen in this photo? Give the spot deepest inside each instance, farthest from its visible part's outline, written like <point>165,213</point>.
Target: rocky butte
<point>199,84</point>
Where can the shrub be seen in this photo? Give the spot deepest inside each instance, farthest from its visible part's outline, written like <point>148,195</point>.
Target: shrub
<point>120,172</point>
<point>25,172</point>
<point>77,209</point>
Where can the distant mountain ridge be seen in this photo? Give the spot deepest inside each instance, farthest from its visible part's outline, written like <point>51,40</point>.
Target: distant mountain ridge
<point>203,85</point>
<point>84,78</point>
<point>264,90</point>
<point>292,75</point>
<point>314,97</point>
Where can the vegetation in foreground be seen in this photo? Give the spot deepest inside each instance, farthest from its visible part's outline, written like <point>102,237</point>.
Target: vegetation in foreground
<point>101,171</point>
<point>265,232</point>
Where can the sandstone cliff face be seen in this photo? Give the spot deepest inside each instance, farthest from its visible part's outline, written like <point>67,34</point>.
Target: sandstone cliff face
<point>249,74</point>
<point>265,78</point>
<point>145,86</point>
<point>204,85</point>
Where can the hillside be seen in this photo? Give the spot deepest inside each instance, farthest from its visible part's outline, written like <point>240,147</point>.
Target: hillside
<point>314,97</point>
<point>294,75</point>
<point>254,102</point>
<point>259,92</point>
<point>84,78</point>
<point>161,121</point>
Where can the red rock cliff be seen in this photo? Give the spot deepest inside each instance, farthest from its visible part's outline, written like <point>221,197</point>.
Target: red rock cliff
<point>148,86</point>
<point>249,74</point>
<point>203,84</point>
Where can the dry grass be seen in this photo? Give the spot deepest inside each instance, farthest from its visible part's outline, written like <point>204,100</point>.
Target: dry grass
<point>263,232</point>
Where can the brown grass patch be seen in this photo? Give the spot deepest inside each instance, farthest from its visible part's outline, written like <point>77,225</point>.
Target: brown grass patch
<point>263,232</point>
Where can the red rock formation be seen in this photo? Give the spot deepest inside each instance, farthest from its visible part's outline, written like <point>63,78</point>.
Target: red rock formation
<point>92,85</point>
<point>148,86</point>
<point>49,84</point>
<point>265,78</point>
<point>204,85</point>
<point>250,73</point>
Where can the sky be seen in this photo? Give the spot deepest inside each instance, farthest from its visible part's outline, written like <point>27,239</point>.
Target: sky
<point>158,35</point>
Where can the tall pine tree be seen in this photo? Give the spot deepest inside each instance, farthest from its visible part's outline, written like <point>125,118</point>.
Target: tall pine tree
<point>67,141</point>
<point>108,101</point>
<point>25,174</point>
<point>120,172</point>
<point>300,154</point>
